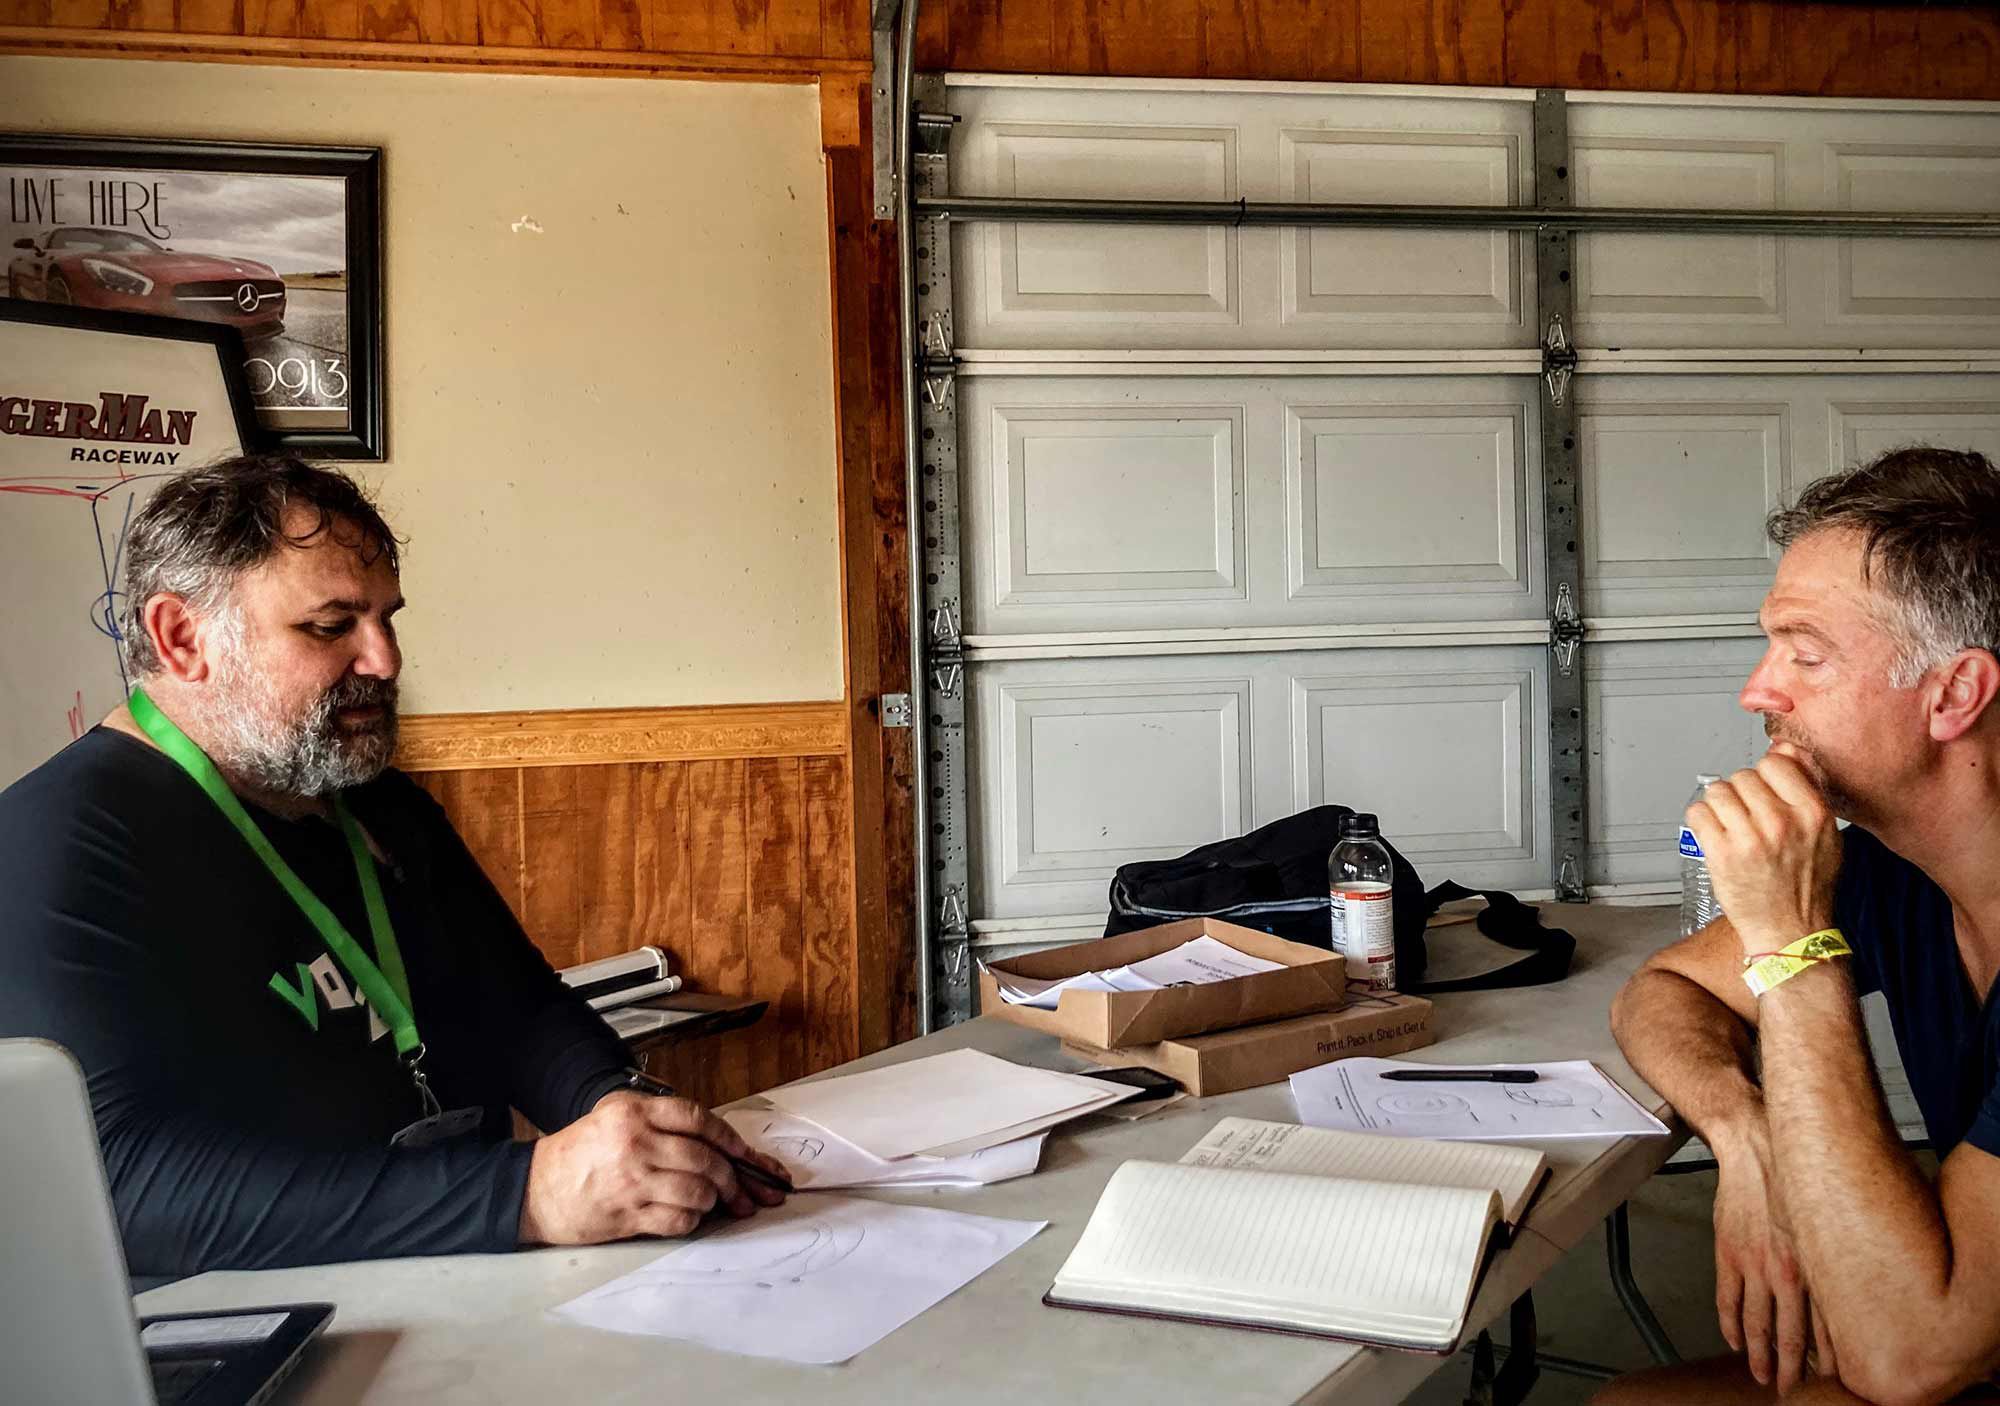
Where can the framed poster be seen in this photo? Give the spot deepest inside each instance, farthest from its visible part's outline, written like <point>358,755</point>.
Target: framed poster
<point>282,244</point>
<point>96,409</point>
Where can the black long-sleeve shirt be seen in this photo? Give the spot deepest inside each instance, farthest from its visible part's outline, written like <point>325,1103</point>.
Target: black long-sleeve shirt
<point>244,1094</point>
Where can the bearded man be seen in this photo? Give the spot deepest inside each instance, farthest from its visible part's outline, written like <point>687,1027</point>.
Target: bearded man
<point>1843,1272</point>
<point>302,1010</point>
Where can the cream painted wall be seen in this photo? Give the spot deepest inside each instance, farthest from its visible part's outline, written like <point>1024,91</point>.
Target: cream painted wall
<point>611,443</point>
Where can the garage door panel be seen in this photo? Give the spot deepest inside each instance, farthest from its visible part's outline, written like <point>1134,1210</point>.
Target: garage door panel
<point>1679,472</point>
<point>1055,286</point>
<point>1142,771</point>
<point>1186,502</point>
<point>1119,504</point>
<point>1862,428</point>
<point>1914,282</point>
<point>1446,748</point>
<point>1646,281</point>
<point>1674,494</point>
<point>1351,278</point>
<point>1715,291</point>
<point>1407,500</point>
<point>1659,713</point>
<point>1085,767</point>
<point>1060,274</point>
<point>1080,765</point>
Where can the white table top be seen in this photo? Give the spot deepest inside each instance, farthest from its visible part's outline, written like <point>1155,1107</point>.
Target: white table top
<point>474,1329</point>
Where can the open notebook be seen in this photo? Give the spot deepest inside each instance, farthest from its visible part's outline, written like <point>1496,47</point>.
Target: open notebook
<point>1270,1225</point>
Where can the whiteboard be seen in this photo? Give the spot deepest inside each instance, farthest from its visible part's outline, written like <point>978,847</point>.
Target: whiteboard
<point>95,411</point>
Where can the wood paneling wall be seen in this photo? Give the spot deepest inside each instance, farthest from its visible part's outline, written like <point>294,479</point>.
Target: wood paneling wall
<point>1739,46</point>
<point>1702,46</point>
<point>741,867</point>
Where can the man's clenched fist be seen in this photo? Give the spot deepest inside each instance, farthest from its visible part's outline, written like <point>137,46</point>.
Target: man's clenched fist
<point>637,1165</point>
<point>1773,851</point>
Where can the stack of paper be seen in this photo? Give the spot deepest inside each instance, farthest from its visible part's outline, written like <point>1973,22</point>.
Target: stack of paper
<point>926,1120</point>
<point>1190,964</point>
<point>820,1160</point>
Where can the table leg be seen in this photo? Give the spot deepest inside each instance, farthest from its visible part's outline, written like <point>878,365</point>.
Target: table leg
<point>1509,1384</point>
<point>1618,1249</point>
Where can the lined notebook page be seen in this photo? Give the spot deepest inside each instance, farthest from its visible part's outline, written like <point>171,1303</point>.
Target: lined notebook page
<point>1252,1143</point>
<point>1359,1259</point>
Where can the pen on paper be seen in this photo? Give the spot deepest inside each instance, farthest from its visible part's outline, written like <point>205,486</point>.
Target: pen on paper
<point>1461,1076</point>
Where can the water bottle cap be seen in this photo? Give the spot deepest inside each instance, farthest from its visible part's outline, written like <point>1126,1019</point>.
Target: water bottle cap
<point>1362,825</point>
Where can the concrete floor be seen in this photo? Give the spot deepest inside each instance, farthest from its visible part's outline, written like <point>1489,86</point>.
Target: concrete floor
<point>1673,1258</point>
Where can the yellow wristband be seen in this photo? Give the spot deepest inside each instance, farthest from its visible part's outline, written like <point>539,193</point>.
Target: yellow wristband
<point>1760,974</point>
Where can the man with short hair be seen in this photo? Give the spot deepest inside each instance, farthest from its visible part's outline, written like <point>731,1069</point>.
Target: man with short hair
<point>1842,1272</point>
<point>302,1009</point>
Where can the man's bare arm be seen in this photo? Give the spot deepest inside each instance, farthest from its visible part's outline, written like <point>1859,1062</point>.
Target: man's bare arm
<point>1685,1021</point>
<point>1692,1036</point>
<point>1907,1278</point>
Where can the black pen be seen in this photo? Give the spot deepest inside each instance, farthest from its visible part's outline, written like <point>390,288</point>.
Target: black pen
<point>641,1081</point>
<point>1461,1076</point>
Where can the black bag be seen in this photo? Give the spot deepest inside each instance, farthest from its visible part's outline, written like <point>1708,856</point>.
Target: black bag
<point>1274,880</point>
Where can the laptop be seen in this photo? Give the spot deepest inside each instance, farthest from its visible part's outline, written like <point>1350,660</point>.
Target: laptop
<point>68,1334</point>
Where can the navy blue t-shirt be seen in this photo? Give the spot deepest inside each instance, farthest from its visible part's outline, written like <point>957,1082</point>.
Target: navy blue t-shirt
<point>1900,926</point>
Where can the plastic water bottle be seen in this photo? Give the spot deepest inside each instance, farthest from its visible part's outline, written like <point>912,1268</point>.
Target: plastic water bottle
<point>1698,905</point>
<point>1360,880</point>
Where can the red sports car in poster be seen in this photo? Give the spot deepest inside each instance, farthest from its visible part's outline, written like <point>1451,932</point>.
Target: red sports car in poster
<point>107,268</point>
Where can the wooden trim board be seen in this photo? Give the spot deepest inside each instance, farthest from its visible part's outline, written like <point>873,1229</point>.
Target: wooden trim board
<point>364,53</point>
<point>595,736</point>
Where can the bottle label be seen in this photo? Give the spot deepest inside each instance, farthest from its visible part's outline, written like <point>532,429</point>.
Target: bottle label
<point>1690,846</point>
<point>1364,931</point>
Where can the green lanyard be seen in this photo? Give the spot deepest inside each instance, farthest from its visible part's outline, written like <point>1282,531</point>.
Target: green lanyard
<point>386,987</point>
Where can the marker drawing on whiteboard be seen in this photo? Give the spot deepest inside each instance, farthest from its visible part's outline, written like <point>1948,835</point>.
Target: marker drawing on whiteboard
<point>109,529</point>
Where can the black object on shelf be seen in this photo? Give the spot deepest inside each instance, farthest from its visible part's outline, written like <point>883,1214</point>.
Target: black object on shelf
<point>681,1015</point>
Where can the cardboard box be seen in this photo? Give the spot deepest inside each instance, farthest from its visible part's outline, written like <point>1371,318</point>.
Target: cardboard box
<point>1308,979</point>
<point>1224,1062</point>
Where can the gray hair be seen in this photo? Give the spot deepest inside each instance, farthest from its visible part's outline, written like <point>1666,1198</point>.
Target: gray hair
<point>1929,521</point>
<point>205,527</point>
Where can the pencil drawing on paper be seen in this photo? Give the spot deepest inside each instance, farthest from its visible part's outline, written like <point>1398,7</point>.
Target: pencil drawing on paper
<point>1422,1105</point>
<point>766,1259</point>
<point>1552,1094</point>
<point>795,1151</point>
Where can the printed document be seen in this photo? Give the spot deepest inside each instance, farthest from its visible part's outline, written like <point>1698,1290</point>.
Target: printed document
<point>1190,964</point>
<point>817,1279</point>
<point>1572,1098</point>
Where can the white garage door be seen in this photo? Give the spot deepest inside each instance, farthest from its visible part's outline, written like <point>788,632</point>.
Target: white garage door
<point>1251,518</point>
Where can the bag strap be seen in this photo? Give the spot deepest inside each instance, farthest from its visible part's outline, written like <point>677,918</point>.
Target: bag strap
<point>1511,923</point>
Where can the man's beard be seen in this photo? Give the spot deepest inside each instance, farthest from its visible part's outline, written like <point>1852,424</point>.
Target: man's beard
<point>308,754</point>
<point>1839,798</point>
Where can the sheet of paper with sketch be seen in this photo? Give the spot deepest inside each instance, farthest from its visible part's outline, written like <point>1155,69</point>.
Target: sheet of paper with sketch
<point>1569,1098</point>
<point>817,1279</point>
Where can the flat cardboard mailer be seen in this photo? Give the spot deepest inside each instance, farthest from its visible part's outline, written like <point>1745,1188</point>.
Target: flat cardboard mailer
<point>1370,1024</point>
<point>1308,979</point>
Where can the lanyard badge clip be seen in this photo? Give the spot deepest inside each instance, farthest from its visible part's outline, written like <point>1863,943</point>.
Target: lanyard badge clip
<point>413,1060</point>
